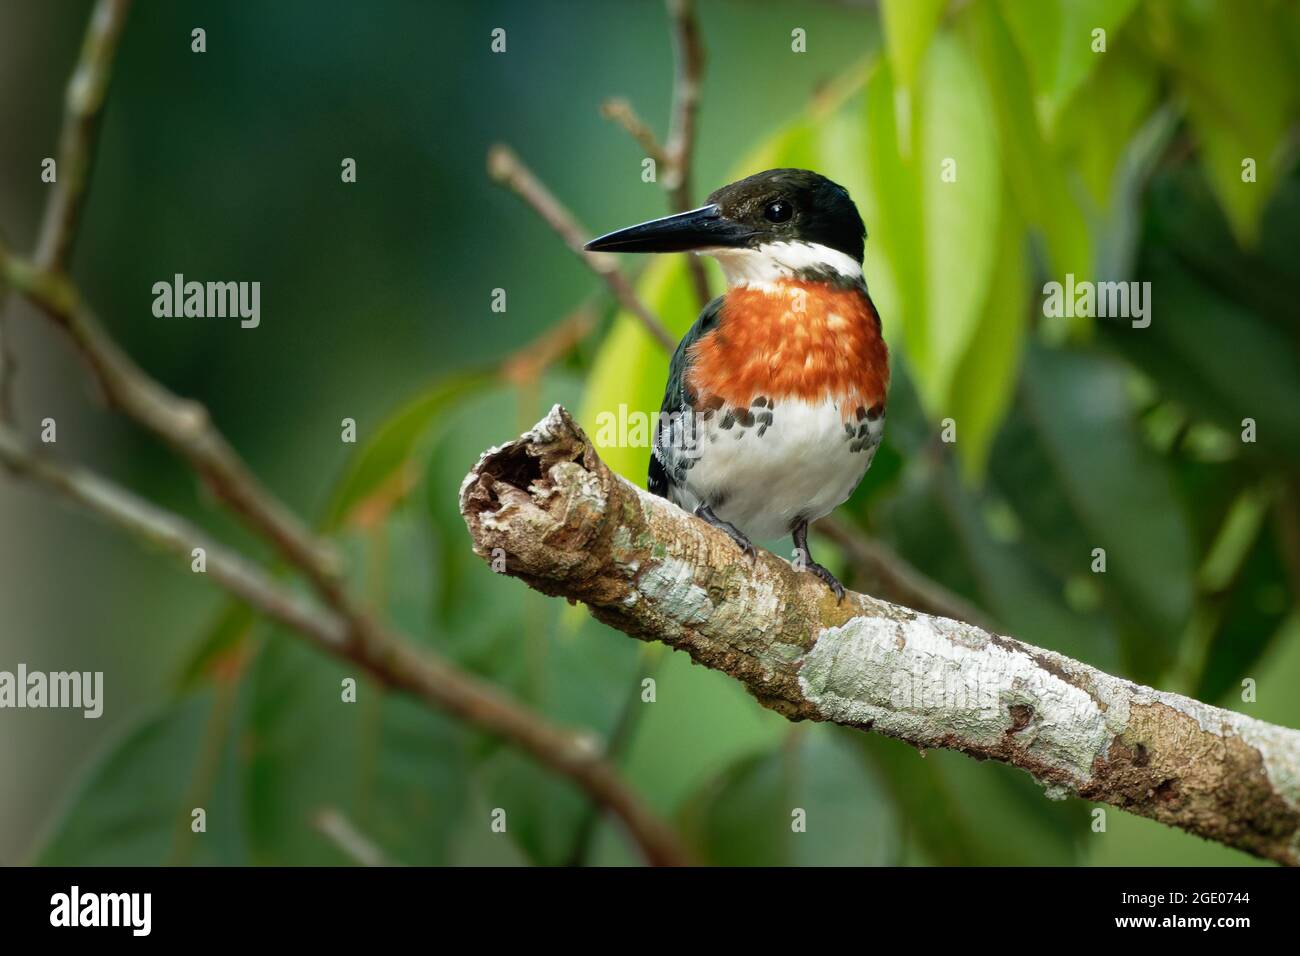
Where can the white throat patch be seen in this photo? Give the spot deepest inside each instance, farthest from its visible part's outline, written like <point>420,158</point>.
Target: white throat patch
<point>774,261</point>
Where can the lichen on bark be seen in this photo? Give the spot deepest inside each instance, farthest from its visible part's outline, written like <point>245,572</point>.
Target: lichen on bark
<point>569,526</point>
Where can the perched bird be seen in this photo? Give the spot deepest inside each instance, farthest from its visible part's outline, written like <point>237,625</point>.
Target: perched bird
<point>775,402</point>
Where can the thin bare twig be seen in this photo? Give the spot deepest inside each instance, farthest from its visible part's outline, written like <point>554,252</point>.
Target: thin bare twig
<point>347,628</point>
<point>8,367</point>
<point>83,106</point>
<point>184,425</point>
<point>338,829</point>
<point>526,365</point>
<point>173,534</point>
<point>620,111</point>
<point>680,148</point>
<point>390,657</point>
<point>507,168</point>
<point>675,157</point>
<point>888,575</point>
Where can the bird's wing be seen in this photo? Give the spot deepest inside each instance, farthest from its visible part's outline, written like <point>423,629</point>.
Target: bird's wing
<point>664,470</point>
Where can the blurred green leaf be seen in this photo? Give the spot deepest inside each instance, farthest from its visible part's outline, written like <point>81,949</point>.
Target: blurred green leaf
<point>381,459</point>
<point>393,767</point>
<point>1056,40</point>
<point>960,218</point>
<point>962,813</point>
<point>743,816</point>
<point>985,381</point>
<point>1258,377</point>
<point>133,808</point>
<point>1118,97</point>
<point>228,633</point>
<point>1220,341</point>
<point>375,470</point>
<point>891,209</point>
<point>670,757</point>
<point>955,122</point>
<point>579,676</point>
<point>477,844</point>
<point>543,812</point>
<point>630,369</point>
<point>1035,178</point>
<point>1249,612</point>
<point>585,680</point>
<point>936,194</point>
<point>909,25</point>
<point>939,524</point>
<point>746,815</point>
<point>470,601</point>
<point>1075,468</point>
<point>406,765</point>
<point>1241,120</point>
<point>1184,220</point>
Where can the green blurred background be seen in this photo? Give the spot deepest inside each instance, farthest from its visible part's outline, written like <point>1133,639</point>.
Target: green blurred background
<point>1072,434</point>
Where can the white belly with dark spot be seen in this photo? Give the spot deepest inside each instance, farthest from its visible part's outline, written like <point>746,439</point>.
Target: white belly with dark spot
<point>802,466</point>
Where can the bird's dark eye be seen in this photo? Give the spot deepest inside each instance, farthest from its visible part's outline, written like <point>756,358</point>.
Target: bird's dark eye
<point>778,211</point>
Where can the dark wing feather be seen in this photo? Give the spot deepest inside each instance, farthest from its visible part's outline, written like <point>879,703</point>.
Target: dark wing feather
<point>662,471</point>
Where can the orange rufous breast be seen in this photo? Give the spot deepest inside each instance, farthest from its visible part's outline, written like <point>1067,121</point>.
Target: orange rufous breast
<point>796,339</point>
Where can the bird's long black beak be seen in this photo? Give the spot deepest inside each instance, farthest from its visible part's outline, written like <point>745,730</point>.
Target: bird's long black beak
<point>696,229</point>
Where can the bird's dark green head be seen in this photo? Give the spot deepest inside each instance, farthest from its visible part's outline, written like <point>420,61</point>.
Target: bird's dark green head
<point>776,208</point>
<point>794,205</point>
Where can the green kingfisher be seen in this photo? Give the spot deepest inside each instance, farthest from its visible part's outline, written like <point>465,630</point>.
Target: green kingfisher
<point>775,402</point>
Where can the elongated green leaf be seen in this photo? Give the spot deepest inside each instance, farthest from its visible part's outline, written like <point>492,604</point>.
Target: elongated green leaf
<point>937,192</point>
<point>909,25</point>
<point>394,444</point>
<point>232,629</point>
<point>895,250</point>
<point>1076,470</point>
<point>960,217</point>
<point>395,769</point>
<point>670,757</point>
<point>625,387</point>
<point>1034,177</point>
<point>1219,341</point>
<point>962,813</point>
<point>972,543</point>
<point>1249,615</point>
<point>986,379</point>
<point>134,807</point>
<point>1228,65</point>
<point>810,802</point>
<point>1057,40</point>
<point>1117,97</point>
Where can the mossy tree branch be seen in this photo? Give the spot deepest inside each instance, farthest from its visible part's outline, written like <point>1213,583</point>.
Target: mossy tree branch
<point>568,526</point>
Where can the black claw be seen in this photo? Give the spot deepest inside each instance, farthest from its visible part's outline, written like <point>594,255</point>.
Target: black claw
<point>830,580</point>
<point>735,534</point>
<point>800,532</point>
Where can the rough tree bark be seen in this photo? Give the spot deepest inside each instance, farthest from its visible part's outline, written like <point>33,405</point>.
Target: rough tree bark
<point>568,526</point>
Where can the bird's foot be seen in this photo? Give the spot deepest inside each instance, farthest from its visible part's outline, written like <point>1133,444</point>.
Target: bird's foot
<point>800,532</point>
<point>825,575</point>
<point>735,534</point>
